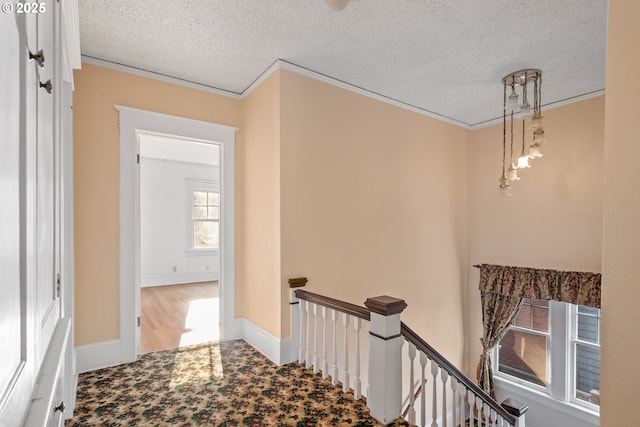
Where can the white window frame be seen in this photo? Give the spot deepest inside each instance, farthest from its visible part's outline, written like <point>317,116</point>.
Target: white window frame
<point>563,326</point>
<point>193,185</point>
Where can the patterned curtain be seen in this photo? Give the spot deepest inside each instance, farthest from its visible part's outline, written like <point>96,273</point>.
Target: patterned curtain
<point>502,290</point>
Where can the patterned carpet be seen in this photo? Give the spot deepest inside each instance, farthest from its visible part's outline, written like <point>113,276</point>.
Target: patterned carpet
<point>217,384</point>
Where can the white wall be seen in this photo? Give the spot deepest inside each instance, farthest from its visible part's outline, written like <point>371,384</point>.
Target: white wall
<point>163,216</point>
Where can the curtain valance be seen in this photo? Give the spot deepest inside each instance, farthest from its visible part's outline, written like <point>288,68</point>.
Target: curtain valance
<point>574,287</point>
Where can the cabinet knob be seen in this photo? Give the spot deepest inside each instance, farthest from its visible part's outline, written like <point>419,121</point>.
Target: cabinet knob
<point>38,57</point>
<point>60,408</point>
<point>47,86</point>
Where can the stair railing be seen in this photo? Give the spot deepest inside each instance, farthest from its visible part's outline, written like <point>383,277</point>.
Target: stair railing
<point>369,348</point>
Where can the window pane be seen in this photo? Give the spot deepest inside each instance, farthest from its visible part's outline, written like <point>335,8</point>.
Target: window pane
<point>589,324</point>
<point>214,199</point>
<point>199,198</point>
<point>199,212</point>
<point>524,355</point>
<point>523,318</point>
<point>205,234</point>
<point>541,319</point>
<point>588,374</point>
<point>214,213</point>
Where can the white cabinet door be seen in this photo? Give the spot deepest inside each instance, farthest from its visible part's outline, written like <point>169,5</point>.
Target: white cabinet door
<point>48,305</point>
<point>10,303</point>
<point>17,350</point>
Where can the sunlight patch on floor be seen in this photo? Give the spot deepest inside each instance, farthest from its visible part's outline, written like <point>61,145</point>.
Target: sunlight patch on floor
<point>202,322</point>
<point>193,366</point>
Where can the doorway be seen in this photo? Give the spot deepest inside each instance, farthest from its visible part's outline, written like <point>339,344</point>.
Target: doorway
<point>179,241</point>
<point>133,122</point>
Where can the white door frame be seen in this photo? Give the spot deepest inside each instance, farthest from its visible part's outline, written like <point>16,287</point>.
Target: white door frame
<point>131,121</point>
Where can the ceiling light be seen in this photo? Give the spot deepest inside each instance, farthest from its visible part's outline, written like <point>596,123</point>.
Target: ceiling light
<point>520,81</point>
<point>337,4</point>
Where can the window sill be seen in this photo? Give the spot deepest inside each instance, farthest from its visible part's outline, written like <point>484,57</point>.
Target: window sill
<point>541,399</point>
<point>201,252</point>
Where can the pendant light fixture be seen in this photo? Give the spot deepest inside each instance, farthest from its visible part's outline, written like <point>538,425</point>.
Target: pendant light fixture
<point>521,81</point>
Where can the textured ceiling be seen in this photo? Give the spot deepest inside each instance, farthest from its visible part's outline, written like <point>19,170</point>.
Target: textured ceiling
<point>446,57</point>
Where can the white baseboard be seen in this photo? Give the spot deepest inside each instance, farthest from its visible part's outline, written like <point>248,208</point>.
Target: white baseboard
<point>165,279</point>
<point>97,356</point>
<point>108,353</point>
<point>279,352</point>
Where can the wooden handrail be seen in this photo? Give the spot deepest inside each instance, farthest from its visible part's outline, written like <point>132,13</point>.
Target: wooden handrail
<point>432,354</point>
<point>341,306</point>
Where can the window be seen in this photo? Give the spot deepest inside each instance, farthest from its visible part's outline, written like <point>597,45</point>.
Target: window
<point>203,216</point>
<point>586,349</point>
<point>524,349</point>
<point>553,347</point>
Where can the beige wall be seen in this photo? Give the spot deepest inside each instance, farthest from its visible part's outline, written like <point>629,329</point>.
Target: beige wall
<point>620,372</point>
<point>258,208</point>
<point>374,201</point>
<point>96,180</point>
<point>553,219</point>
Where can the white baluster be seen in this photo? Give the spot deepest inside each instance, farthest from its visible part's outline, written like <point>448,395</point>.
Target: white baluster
<point>444,376</point>
<point>500,421</point>
<point>494,418</point>
<point>345,380</point>
<point>308,356</point>
<point>472,407</point>
<point>454,401</point>
<point>434,405</point>
<point>423,385</point>
<point>462,391</point>
<point>301,305</point>
<point>325,363</point>
<point>316,363</point>
<point>334,367</point>
<point>411,414</point>
<point>357,385</point>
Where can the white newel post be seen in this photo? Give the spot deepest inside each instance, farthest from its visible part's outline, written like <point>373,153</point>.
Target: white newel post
<point>517,409</point>
<point>297,326</point>
<point>384,397</point>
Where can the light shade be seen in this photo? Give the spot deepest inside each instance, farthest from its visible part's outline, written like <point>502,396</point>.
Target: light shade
<point>534,151</point>
<point>512,173</point>
<point>505,187</point>
<point>523,160</point>
<point>337,4</point>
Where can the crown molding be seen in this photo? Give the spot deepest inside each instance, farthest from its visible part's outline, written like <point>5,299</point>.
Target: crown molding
<point>158,76</point>
<point>549,106</point>
<point>281,64</point>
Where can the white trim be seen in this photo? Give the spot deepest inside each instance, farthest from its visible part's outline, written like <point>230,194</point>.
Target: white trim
<point>70,39</point>
<point>288,66</point>
<point>157,76</point>
<point>550,405</point>
<point>72,25</point>
<point>277,351</point>
<point>545,107</point>
<point>167,279</point>
<point>264,76</point>
<point>98,355</point>
<point>131,121</point>
<point>283,65</point>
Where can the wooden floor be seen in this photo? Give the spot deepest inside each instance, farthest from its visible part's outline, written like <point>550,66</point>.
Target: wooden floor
<point>178,315</point>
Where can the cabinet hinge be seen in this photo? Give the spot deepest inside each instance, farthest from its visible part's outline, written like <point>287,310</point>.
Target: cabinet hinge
<point>138,158</point>
<point>138,321</point>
